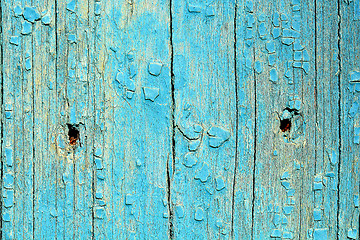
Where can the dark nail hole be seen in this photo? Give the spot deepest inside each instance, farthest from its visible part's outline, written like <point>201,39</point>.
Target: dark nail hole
<point>73,133</point>
<point>285,125</point>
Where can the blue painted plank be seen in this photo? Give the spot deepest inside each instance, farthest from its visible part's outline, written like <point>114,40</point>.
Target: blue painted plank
<point>245,79</point>
<point>349,181</point>
<point>75,195</point>
<point>205,119</point>
<point>284,118</point>
<point>131,58</point>
<point>327,107</point>
<point>18,89</point>
<point>45,122</point>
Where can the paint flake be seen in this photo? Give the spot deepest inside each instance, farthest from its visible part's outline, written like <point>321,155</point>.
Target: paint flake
<point>30,14</point>
<point>199,214</point>
<point>151,93</point>
<point>155,68</point>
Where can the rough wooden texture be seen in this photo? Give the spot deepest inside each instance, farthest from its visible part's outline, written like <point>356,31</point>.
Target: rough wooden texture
<point>164,119</point>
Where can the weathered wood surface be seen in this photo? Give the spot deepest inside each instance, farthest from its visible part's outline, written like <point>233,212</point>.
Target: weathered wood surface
<point>174,119</point>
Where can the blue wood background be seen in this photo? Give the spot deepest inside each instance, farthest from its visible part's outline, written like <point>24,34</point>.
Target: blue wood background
<point>197,119</point>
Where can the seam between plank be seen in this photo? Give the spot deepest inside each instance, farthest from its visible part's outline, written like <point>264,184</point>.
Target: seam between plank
<point>171,230</point>
<point>236,122</point>
<point>255,142</point>
<point>339,116</point>
<point>2,118</point>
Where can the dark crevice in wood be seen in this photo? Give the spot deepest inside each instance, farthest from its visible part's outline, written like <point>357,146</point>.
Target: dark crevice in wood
<point>2,118</point>
<point>56,94</point>
<point>339,120</point>
<point>285,125</point>
<point>73,133</point>
<point>236,123</point>
<point>255,144</point>
<point>173,150</point>
<point>93,168</point>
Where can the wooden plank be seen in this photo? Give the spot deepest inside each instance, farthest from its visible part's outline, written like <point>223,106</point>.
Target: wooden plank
<point>18,139</point>
<point>75,196</point>
<point>285,121</point>
<point>348,32</point>
<point>245,78</point>
<point>205,119</point>
<point>325,208</point>
<point>45,121</point>
<point>131,58</point>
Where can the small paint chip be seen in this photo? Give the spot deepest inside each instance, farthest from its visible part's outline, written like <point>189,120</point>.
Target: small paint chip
<point>179,210</point>
<point>203,173</point>
<point>285,175</point>
<point>209,11</point>
<point>151,93</point>
<point>288,235</point>
<point>330,174</point>
<point>199,214</point>
<point>46,19</point>
<point>270,46</point>
<point>6,217</point>
<point>99,212</point>
<point>317,215</point>
<point>318,186</point>
<point>273,75</point>
<point>276,219</point>
<point>249,6</point>
<point>217,136</point>
<point>8,181</point>
<point>71,6</point>
<point>28,64</point>
<point>352,233</point>
<point>99,195</point>
<point>286,185</point>
<point>354,76</point>
<point>26,28</point>
<point>97,10</point>
<point>18,11</point>
<point>190,160</point>
<point>155,68</point>
<point>276,32</point>
<point>321,234</point>
<point>357,135</point>
<point>9,199</point>
<point>72,38</point>
<point>287,210</point>
<point>220,183</point>
<point>356,200</point>
<point>15,40</point>
<point>194,8</point>
<point>30,14</point>
<point>287,41</point>
<point>194,145</point>
<point>258,67</point>
<point>276,233</point>
<point>129,199</point>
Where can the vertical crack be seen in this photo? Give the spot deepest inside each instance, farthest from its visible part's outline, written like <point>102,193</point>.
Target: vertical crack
<point>254,166</point>
<point>316,118</point>
<point>56,95</point>
<point>339,116</point>
<point>93,169</point>
<point>2,118</point>
<point>168,173</point>
<point>236,123</point>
